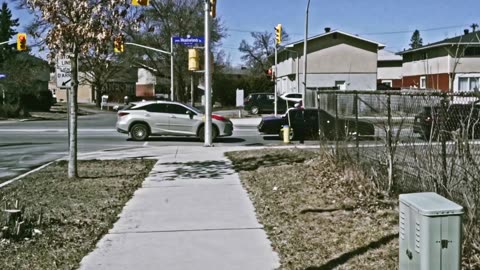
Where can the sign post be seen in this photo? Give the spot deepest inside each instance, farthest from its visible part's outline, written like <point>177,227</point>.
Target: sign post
<point>3,76</point>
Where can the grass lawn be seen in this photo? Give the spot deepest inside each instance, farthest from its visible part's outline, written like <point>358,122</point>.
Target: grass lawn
<point>318,214</point>
<point>75,214</point>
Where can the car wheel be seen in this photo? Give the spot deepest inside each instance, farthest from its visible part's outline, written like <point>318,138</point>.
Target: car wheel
<point>201,133</point>
<point>254,110</point>
<point>139,132</point>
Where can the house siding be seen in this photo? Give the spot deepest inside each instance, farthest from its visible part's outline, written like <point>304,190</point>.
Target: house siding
<point>434,81</point>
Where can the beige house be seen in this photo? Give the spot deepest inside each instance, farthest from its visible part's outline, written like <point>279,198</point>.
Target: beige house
<point>85,91</point>
<point>389,72</point>
<point>335,59</point>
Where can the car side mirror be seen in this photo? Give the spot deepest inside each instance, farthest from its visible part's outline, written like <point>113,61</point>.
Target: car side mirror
<point>190,114</point>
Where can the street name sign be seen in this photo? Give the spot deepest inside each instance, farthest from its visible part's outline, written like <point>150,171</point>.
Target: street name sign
<point>63,72</point>
<point>189,41</point>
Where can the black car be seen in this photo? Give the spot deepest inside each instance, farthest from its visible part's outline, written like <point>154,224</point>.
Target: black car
<point>345,127</point>
<point>455,118</point>
<point>258,103</point>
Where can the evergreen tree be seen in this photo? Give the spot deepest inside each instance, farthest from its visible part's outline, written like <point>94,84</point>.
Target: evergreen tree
<point>7,25</point>
<point>416,40</point>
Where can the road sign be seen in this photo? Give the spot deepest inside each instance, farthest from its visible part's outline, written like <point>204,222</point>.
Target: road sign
<point>63,72</point>
<point>3,76</point>
<point>189,41</point>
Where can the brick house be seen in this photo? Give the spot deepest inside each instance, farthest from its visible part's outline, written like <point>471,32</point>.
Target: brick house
<point>452,64</point>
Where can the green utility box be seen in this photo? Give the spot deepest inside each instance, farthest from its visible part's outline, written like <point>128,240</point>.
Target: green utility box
<point>430,232</point>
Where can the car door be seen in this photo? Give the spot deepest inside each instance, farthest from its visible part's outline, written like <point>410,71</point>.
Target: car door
<point>182,121</point>
<point>157,117</point>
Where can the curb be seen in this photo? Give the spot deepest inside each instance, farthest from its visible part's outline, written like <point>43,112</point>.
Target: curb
<point>25,174</point>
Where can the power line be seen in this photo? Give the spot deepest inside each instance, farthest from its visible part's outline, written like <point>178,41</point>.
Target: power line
<point>366,34</point>
<point>410,31</point>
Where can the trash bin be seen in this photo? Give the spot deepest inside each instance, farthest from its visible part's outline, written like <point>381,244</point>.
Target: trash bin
<point>430,232</point>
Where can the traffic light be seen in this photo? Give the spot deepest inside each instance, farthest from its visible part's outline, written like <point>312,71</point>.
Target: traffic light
<point>140,2</point>
<point>22,42</point>
<point>213,8</point>
<point>193,59</point>
<point>278,34</point>
<point>118,45</point>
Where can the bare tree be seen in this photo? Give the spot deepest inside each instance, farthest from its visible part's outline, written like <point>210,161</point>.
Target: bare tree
<point>76,28</point>
<point>160,22</point>
<point>257,55</point>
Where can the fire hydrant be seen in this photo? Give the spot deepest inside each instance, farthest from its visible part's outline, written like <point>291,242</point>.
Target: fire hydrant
<point>286,134</point>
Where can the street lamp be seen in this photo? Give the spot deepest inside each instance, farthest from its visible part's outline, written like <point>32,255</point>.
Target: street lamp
<point>304,90</point>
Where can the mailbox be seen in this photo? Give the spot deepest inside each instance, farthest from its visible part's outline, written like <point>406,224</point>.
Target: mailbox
<point>430,232</point>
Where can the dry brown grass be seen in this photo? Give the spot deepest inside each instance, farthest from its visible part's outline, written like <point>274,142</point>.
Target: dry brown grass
<point>76,213</point>
<point>318,214</point>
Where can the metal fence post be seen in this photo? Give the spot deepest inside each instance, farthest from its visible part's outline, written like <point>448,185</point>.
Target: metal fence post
<point>357,133</point>
<point>443,139</point>
<point>389,142</point>
<point>336,127</point>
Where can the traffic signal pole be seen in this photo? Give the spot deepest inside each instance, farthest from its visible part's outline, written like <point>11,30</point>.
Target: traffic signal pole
<point>275,81</point>
<point>208,83</point>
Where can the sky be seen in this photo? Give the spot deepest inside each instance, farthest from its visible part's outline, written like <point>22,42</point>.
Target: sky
<point>390,22</point>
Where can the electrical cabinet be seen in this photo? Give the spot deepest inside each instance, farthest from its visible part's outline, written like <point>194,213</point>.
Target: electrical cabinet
<point>430,232</point>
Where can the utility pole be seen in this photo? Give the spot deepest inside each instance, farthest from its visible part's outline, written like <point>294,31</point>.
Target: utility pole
<point>275,81</point>
<point>278,41</point>
<point>304,89</point>
<point>171,70</point>
<point>192,91</point>
<point>208,83</point>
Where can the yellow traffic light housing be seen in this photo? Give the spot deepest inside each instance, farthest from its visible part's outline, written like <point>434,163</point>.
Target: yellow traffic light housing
<point>193,60</point>
<point>278,34</point>
<point>118,45</point>
<point>140,2</point>
<point>213,8</point>
<point>22,42</point>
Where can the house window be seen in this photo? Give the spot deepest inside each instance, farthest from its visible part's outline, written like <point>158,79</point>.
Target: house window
<point>423,82</point>
<point>387,83</point>
<point>341,85</point>
<point>468,83</point>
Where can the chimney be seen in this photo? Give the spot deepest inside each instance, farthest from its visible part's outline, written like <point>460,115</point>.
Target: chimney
<point>466,31</point>
<point>327,29</point>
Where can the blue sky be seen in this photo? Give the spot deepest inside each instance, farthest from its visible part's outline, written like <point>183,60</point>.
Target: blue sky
<point>377,20</point>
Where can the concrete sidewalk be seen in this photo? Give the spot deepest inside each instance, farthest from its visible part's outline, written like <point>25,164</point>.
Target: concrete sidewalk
<point>191,213</point>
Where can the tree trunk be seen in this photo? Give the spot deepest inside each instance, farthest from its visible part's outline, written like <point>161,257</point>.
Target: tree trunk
<point>72,118</point>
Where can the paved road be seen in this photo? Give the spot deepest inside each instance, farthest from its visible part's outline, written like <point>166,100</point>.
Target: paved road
<point>26,145</point>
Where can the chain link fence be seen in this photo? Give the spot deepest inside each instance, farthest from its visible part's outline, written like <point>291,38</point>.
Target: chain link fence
<point>410,141</point>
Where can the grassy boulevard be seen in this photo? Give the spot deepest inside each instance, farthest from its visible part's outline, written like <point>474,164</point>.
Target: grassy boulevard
<point>319,215</point>
<point>63,219</point>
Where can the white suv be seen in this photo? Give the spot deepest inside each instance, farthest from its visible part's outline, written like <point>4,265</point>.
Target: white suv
<point>156,118</point>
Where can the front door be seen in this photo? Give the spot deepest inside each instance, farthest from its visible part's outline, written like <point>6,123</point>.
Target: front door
<point>182,120</point>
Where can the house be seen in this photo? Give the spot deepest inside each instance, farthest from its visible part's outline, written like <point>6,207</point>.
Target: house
<point>335,59</point>
<point>389,72</point>
<point>452,64</point>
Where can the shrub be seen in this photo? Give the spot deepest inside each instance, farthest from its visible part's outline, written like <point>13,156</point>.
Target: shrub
<point>9,111</point>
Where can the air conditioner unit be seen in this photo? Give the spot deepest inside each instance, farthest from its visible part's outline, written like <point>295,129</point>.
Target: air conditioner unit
<point>430,232</point>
